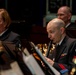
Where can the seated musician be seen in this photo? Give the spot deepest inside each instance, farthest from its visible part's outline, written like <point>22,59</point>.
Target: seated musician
<point>62,57</point>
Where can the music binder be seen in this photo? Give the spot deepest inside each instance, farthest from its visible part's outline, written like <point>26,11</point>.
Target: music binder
<point>31,63</point>
<point>52,69</point>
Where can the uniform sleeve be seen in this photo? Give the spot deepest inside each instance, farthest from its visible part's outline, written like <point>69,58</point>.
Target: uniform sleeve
<point>71,61</point>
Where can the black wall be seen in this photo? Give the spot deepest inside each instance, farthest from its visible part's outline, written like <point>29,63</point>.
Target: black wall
<point>32,11</point>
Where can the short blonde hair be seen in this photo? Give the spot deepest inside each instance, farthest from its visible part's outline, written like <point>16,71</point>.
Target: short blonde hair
<point>5,17</point>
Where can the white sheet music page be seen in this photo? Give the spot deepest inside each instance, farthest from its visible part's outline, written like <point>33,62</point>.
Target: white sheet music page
<point>7,72</point>
<point>33,65</point>
<point>16,68</point>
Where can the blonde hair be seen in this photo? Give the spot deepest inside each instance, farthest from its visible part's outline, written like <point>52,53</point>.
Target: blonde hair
<point>5,17</point>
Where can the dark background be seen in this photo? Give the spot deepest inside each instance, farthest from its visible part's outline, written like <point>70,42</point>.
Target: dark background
<point>24,14</point>
<point>32,11</point>
<point>55,4</point>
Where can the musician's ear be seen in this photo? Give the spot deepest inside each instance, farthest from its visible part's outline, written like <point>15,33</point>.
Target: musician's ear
<point>62,29</point>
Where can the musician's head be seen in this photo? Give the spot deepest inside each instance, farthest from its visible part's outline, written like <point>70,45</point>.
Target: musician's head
<point>56,30</point>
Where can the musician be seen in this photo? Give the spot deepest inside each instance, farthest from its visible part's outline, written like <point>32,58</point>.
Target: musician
<point>9,42</point>
<point>62,57</point>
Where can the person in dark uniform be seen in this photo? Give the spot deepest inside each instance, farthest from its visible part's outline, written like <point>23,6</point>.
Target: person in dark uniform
<point>62,56</point>
<point>10,45</point>
<point>5,33</point>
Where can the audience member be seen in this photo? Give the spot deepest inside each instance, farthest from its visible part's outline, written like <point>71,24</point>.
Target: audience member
<point>62,56</point>
<point>65,13</point>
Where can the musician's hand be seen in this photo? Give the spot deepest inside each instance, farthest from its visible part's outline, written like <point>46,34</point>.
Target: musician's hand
<point>50,61</point>
<point>42,64</point>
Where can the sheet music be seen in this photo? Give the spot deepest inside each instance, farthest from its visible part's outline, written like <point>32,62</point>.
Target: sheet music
<point>44,60</point>
<point>7,72</point>
<point>15,67</point>
<point>14,70</point>
<point>32,65</point>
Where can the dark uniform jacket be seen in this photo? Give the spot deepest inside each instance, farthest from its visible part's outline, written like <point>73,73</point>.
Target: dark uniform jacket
<point>11,43</point>
<point>11,37</point>
<point>64,55</point>
<point>71,30</point>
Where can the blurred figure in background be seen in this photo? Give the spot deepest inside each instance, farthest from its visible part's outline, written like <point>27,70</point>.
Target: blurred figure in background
<point>12,44</point>
<point>5,33</point>
<point>62,56</point>
<point>65,13</point>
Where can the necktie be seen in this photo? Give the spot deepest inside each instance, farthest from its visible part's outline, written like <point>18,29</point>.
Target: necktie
<point>57,51</point>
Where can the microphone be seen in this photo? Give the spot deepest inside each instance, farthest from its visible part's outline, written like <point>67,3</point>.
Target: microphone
<point>49,46</point>
<point>52,69</point>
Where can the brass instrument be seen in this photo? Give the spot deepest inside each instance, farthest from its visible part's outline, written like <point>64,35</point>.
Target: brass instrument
<point>74,68</point>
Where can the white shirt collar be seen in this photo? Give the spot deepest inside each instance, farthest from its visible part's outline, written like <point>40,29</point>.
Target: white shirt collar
<point>67,25</point>
<point>3,32</point>
<point>60,41</point>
